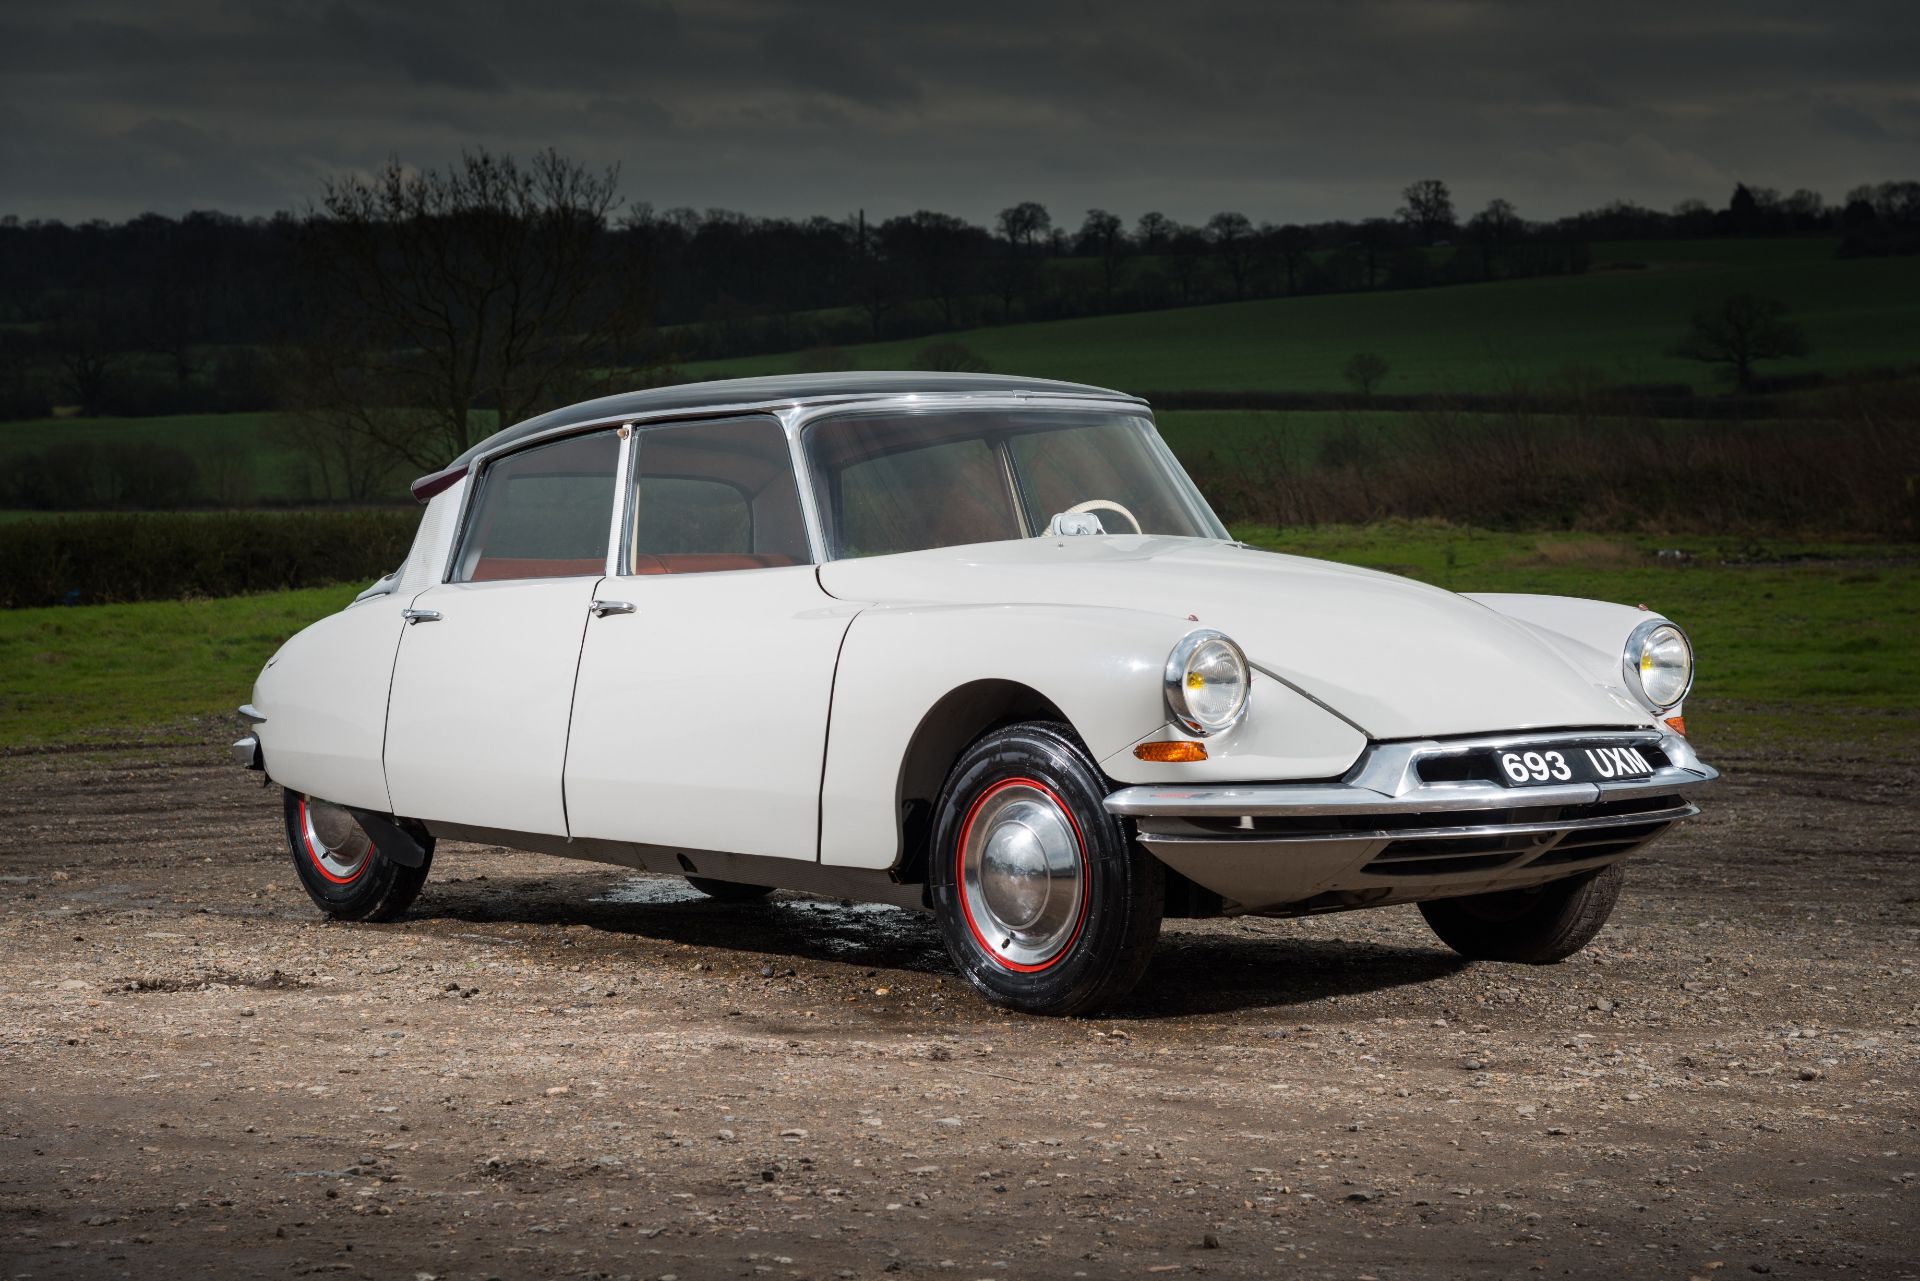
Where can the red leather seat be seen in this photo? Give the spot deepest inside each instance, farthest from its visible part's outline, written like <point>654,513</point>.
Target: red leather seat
<point>493,569</point>
<point>707,562</point>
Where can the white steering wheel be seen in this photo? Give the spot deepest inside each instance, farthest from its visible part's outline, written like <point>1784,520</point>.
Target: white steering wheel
<point>1108,505</point>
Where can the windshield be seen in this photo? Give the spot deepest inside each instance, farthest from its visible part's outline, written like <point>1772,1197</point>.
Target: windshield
<point>903,482</point>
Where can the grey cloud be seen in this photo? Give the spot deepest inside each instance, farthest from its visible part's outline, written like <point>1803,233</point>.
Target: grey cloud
<point>1285,110</point>
<point>802,56</point>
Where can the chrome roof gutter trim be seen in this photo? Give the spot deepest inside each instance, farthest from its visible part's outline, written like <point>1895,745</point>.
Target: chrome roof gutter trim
<point>1387,781</point>
<point>753,395</point>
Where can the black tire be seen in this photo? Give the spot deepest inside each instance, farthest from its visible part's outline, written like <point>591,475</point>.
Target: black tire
<point>1530,927</point>
<point>729,891</point>
<point>372,888</point>
<point>1121,888</point>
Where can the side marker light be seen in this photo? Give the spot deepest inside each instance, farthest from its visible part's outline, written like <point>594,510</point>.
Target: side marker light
<point>1178,752</point>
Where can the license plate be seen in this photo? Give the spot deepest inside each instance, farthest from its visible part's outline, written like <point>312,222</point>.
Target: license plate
<point>1546,766</point>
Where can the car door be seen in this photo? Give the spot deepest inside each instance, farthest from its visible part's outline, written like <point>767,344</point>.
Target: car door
<point>483,685</point>
<point>700,716</point>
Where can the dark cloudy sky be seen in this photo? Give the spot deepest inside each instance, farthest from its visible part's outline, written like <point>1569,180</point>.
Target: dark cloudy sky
<point>1282,110</point>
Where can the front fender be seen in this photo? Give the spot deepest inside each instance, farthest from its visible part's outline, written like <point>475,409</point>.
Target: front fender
<point>1100,666</point>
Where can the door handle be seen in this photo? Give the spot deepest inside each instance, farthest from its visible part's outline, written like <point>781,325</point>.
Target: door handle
<point>601,608</point>
<point>420,616</point>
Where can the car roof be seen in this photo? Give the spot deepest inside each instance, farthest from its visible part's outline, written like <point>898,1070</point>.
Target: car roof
<point>779,389</point>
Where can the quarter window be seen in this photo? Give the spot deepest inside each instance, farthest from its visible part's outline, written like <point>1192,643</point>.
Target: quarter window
<point>544,512</point>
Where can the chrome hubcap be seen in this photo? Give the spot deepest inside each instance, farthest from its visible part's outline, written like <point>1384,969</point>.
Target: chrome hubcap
<point>335,840</point>
<point>1022,875</point>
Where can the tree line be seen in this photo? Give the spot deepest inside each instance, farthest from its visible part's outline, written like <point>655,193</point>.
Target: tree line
<point>410,311</point>
<point>158,314</point>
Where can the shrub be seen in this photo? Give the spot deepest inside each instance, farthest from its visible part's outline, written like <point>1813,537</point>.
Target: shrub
<point>824,360</point>
<point>949,357</point>
<point>1851,468</point>
<point>85,560</point>
<point>1365,370</point>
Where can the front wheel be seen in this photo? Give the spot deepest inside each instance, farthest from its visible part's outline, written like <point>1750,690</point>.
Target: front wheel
<point>1535,926</point>
<point>1045,902</point>
<point>344,872</point>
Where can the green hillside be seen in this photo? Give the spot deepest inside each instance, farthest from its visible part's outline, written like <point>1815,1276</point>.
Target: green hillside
<point>1620,319</point>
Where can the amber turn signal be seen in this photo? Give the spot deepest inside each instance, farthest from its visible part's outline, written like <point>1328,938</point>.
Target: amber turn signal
<point>1678,724</point>
<point>1178,752</point>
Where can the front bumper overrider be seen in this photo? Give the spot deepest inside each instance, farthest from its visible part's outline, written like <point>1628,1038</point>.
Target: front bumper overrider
<point>1410,821</point>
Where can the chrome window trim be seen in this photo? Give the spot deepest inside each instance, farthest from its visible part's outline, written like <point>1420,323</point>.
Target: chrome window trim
<point>623,498</point>
<point>795,415</point>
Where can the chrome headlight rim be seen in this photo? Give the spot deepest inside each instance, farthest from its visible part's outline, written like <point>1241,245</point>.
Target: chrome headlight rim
<point>1174,681</point>
<point>1637,642</point>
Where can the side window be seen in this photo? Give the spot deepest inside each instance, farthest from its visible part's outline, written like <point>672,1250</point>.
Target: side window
<point>715,496</point>
<point>542,513</point>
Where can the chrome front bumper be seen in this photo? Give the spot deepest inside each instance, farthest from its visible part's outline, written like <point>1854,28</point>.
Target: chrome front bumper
<point>1390,832</point>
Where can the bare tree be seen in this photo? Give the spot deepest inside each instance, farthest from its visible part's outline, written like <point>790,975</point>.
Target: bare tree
<point>942,251</point>
<point>1365,370</point>
<point>1105,236</point>
<point>1154,232</point>
<point>1232,237</point>
<point>1292,244</point>
<point>453,300</point>
<point>1023,224</point>
<point>1429,208</point>
<point>1184,254</point>
<point>1020,226</point>
<point>1740,331</point>
<point>88,343</point>
<point>1492,230</point>
<point>1371,239</point>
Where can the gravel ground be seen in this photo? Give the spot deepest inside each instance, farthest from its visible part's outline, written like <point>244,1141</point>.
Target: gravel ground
<point>560,1069</point>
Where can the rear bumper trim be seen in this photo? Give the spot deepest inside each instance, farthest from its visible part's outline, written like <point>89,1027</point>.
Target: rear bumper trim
<point>246,753</point>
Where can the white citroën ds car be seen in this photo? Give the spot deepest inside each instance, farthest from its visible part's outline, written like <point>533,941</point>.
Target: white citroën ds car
<point>967,643</point>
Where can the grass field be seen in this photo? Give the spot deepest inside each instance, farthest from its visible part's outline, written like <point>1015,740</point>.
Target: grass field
<point>1620,321</point>
<point>98,672</point>
<point>1794,639</point>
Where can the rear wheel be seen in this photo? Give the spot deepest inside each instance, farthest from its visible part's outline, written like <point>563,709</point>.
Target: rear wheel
<point>344,872</point>
<point>1535,926</point>
<point>729,891</point>
<point>1045,902</point>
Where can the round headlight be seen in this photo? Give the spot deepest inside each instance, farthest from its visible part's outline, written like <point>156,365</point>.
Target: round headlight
<point>1659,663</point>
<point>1207,682</point>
